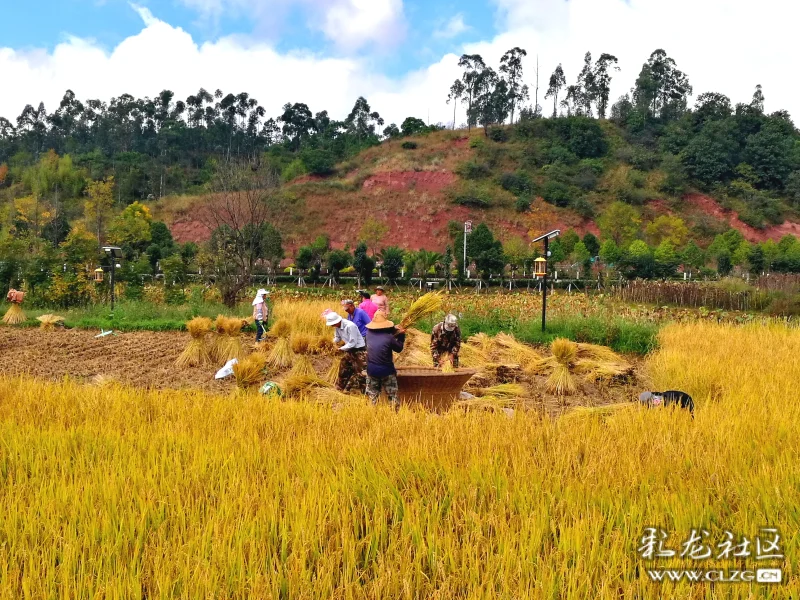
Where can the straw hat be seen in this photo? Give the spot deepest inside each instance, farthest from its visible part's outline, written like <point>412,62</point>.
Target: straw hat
<point>380,322</point>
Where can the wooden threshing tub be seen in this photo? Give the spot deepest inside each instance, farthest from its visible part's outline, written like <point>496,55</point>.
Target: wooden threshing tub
<point>430,387</point>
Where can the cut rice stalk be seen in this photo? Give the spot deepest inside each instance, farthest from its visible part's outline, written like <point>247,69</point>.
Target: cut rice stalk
<point>509,349</point>
<point>602,353</point>
<point>422,307</point>
<point>14,315</point>
<point>281,355</point>
<point>472,357</point>
<point>199,326</point>
<point>332,375</point>
<point>333,397</point>
<point>486,403</point>
<point>250,370</point>
<point>323,345</point>
<point>281,329</point>
<point>295,385</point>
<point>446,363</point>
<point>503,390</point>
<point>49,322</point>
<point>561,381</point>
<point>302,343</point>
<point>302,366</point>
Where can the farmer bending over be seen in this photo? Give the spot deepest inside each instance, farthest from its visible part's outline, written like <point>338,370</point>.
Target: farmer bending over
<point>446,339</point>
<point>354,351</point>
<point>668,398</point>
<point>383,338</point>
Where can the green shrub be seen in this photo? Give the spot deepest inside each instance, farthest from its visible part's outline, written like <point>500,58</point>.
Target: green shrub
<point>583,207</point>
<point>293,170</point>
<point>556,193</point>
<point>473,170</point>
<point>318,161</point>
<point>498,134</point>
<point>476,142</point>
<point>409,145</point>
<point>523,204</point>
<point>517,183</point>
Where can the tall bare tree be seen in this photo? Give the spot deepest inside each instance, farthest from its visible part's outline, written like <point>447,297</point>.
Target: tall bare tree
<point>240,217</point>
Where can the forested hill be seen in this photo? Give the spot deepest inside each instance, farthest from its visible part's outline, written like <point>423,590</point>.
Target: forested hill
<point>651,167</point>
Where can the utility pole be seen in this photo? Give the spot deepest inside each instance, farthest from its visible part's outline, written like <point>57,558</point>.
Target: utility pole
<point>536,100</point>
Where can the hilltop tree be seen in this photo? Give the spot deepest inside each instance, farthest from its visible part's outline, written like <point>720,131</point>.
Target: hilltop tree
<point>557,81</point>
<point>373,232</point>
<point>457,91</point>
<point>661,90</point>
<point>511,67</point>
<point>620,222</point>
<point>601,82</point>
<point>392,258</point>
<point>474,67</point>
<point>363,264</point>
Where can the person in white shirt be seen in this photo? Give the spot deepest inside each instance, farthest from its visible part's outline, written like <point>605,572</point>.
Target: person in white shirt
<point>354,360</point>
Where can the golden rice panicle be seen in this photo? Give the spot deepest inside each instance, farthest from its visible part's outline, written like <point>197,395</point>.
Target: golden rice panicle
<point>323,345</point>
<point>565,351</point>
<point>595,352</point>
<point>509,349</point>
<point>250,371</point>
<point>49,322</point>
<point>472,357</point>
<point>302,343</point>
<point>232,326</point>
<point>281,355</point>
<point>281,329</point>
<point>422,307</point>
<point>332,397</point>
<point>199,326</point>
<point>14,315</point>
<point>483,343</point>
<point>446,363</point>
<point>418,358</point>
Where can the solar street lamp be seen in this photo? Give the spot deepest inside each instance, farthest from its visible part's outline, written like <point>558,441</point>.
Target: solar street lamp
<point>115,254</point>
<point>541,268</point>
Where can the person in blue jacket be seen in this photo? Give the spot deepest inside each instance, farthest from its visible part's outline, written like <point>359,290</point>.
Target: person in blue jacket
<point>357,316</point>
<point>383,340</point>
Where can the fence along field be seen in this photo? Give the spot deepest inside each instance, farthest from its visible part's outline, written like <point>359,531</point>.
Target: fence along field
<point>111,492</point>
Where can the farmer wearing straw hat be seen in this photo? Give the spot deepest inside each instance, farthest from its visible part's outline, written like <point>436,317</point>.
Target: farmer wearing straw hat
<point>350,371</point>
<point>260,312</point>
<point>380,300</point>
<point>383,339</point>
<point>446,339</point>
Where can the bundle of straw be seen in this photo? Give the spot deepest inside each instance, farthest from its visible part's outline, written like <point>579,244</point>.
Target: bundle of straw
<point>302,343</point>
<point>49,322</point>
<point>472,357</point>
<point>281,329</point>
<point>323,345</point>
<point>281,355</point>
<point>422,307</point>
<point>503,390</point>
<point>228,343</point>
<point>297,385</point>
<point>446,363</point>
<point>332,375</point>
<point>250,370</point>
<point>599,411</point>
<point>417,358</point>
<point>332,397</point>
<point>483,344</point>
<point>302,366</point>
<point>197,351</point>
<point>511,350</point>
<point>561,381</point>
<point>14,315</point>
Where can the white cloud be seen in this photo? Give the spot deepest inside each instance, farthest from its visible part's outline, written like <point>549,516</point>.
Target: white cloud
<point>718,47</point>
<point>349,24</point>
<point>452,28</point>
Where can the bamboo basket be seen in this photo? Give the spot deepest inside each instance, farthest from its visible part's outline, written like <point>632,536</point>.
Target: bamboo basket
<point>429,387</point>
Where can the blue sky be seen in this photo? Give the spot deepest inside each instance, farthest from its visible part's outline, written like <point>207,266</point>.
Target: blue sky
<point>401,55</point>
<point>109,22</point>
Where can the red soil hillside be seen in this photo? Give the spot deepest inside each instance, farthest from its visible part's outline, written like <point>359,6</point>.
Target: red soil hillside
<point>412,192</point>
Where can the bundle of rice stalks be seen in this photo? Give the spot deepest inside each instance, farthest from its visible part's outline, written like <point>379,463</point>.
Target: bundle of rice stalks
<point>332,397</point>
<point>227,343</point>
<point>49,322</point>
<point>417,358</point>
<point>511,350</point>
<point>332,374</point>
<point>472,357</point>
<point>446,363</point>
<point>14,315</point>
<point>250,370</point>
<point>507,391</point>
<point>482,343</point>
<point>323,345</point>
<point>422,307</point>
<point>599,353</point>
<point>561,381</point>
<point>281,355</point>
<point>197,352</point>
<point>302,343</point>
<point>281,329</point>
<point>417,339</point>
<point>606,373</point>
<point>297,385</point>
<point>302,366</point>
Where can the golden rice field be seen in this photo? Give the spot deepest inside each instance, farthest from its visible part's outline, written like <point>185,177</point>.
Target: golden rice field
<point>112,492</point>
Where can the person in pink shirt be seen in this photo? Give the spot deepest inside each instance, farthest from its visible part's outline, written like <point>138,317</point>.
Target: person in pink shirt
<point>380,300</point>
<point>367,305</point>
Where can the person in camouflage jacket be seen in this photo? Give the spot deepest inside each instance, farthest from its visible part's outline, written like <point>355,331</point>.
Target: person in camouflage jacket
<point>446,339</point>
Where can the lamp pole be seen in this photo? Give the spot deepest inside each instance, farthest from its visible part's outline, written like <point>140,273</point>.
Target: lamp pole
<point>544,284</point>
<point>113,270</point>
<point>467,229</point>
